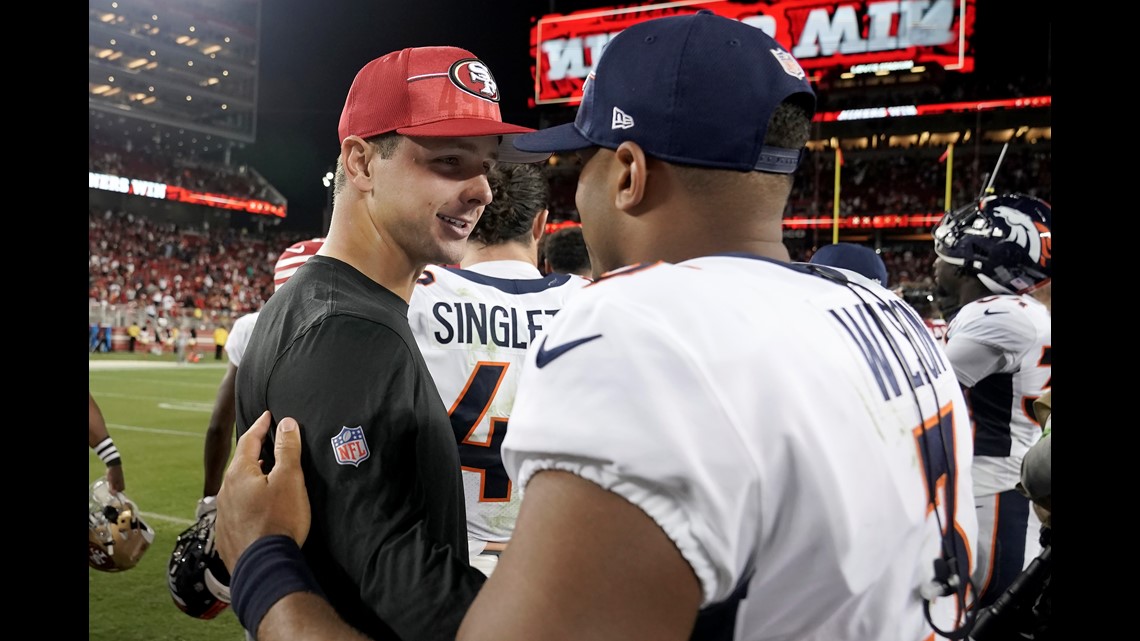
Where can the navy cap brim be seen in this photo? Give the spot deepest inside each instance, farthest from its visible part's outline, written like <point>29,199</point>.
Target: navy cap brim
<point>509,152</point>
<point>559,138</point>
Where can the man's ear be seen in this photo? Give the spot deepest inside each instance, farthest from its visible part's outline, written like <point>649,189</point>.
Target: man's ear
<point>356,154</point>
<point>633,178</point>
<point>539,225</point>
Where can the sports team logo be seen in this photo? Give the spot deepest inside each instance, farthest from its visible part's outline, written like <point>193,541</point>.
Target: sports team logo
<point>1028,233</point>
<point>349,446</point>
<point>473,76</point>
<point>98,558</point>
<point>791,67</point>
<point>621,120</point>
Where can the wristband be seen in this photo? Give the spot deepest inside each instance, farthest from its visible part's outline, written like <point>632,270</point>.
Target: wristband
<point>269,570</point>
<point>107,451</point>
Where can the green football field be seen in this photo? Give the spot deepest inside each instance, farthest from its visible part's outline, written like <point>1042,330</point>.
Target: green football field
<point>156,411</point>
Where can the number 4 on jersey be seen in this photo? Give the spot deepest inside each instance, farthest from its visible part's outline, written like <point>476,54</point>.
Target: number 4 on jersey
<point>480,449</point>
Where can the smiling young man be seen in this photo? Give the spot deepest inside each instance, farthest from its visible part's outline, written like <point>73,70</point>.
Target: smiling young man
<point>419,132</point>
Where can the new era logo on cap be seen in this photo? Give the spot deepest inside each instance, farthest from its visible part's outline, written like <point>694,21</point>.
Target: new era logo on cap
<point>621,120</point>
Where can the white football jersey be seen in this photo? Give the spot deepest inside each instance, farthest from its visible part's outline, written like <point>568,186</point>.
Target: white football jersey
<point>1001,349</point>
<point>473,327</point>
<point>761,415</point>
<point>239,337</point>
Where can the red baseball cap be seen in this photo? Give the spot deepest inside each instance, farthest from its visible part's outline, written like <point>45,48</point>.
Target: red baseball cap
<point>430,91</point>
<point>293,257</point>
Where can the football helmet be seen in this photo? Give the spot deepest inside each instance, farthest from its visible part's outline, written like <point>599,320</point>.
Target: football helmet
<point>196,576</point>
<point>292,258</point>
<point>117,535</point>
<point>1006,240</point>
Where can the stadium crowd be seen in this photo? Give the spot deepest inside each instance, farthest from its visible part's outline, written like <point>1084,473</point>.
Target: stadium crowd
<point>161,268</point>
<point>164,269</point>
<point>886,181</point>
<point>158,270</point>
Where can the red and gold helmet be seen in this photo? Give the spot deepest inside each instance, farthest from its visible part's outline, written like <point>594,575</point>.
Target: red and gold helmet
<point>117,535</point>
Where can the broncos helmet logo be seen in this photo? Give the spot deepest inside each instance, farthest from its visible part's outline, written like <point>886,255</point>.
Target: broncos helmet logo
<point>1006,240</point>
<point>1023,230</point>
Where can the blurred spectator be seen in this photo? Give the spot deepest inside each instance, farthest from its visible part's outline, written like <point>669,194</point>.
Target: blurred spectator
<point>564,252</point>
<point>221,334</point>
<point>857,258</point>
<point>181,342</point>
<point>133,333</point>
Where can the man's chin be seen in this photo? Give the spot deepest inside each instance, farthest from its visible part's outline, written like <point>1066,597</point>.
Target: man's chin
<point>451,253</point>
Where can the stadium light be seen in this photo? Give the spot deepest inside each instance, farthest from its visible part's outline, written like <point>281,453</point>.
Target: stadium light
<point>327,179</point>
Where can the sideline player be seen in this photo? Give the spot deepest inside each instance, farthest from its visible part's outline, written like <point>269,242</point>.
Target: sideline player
<point>219,432</point>
<point>993,284</point>
<point>712,442</point>
<point>474,325</point>
<point>100,442</point>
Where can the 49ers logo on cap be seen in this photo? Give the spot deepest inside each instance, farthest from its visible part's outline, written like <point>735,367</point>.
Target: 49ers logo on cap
<point>473,76</point>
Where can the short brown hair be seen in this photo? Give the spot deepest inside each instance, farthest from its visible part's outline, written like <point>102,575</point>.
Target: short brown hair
<point>519,192</point>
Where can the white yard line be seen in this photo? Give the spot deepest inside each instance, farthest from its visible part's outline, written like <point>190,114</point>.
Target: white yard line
<point>111,364</point>
<point>164,517</point>
<point>158,400</point>
<point>154,430</point>
<point>167,379</point>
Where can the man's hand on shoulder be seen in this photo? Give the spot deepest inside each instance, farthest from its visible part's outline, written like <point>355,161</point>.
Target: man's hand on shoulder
<point>251,504</point>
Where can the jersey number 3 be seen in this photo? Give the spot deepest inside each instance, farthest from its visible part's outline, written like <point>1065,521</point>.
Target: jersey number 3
<point>934,440</point>
<point>480,451</point>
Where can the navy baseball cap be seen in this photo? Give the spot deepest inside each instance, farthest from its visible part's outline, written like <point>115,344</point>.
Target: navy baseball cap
<point>857,258</point>
<point>696,89</point>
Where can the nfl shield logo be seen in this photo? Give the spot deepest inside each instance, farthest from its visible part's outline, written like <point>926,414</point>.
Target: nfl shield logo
<point>791,67</point>
<point>349,446</point>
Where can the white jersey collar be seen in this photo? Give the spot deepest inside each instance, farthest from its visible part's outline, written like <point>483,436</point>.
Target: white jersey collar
<point>513,269</point>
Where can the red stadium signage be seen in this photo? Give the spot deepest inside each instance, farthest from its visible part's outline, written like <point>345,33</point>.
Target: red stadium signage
<point>162,191</point>
<point>553,227</point>
<point>882,221</point>
<point>222,201</point>
<point>872,113</point>
<point>821,35</point>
